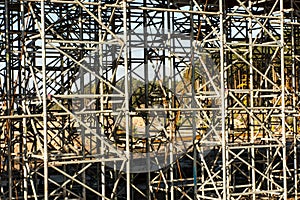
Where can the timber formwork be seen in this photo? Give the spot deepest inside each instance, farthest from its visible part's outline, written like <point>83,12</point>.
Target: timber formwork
<point>147,99</point>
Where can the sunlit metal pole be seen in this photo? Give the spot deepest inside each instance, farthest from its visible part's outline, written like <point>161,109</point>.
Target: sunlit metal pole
<point>282,72</point>
<point>223,111</point>
<point>102,150</point>
<point>126,99</point>
<point>44,97</point>
<point>23,91</point>
<point>251,87</point>
<point>8,97</point>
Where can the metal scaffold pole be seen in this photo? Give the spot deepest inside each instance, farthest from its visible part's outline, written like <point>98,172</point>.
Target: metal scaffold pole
<point>225,192</point>
<point>283,105</point>
<point>44,98</point>
<point>8,131</point>
<point>127,121</point>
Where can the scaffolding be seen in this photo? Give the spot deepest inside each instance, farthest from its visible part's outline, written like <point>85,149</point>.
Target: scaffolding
<point>149,99</point>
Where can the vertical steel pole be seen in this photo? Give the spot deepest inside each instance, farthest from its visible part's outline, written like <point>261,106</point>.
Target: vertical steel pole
<point>251,121</point>
<point>282,68</point>
<point>194,103</point>
<point>8,97</point>
<point>81,32</point>
<point>23,93</point>
<point>44,97</point>
<point>147,88</point>
<point>169,62</point>
<point>170,84</point>
<point>171,131</point>
<point>102,150</point>
<point>222,93</point>
<point>126,99</point>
